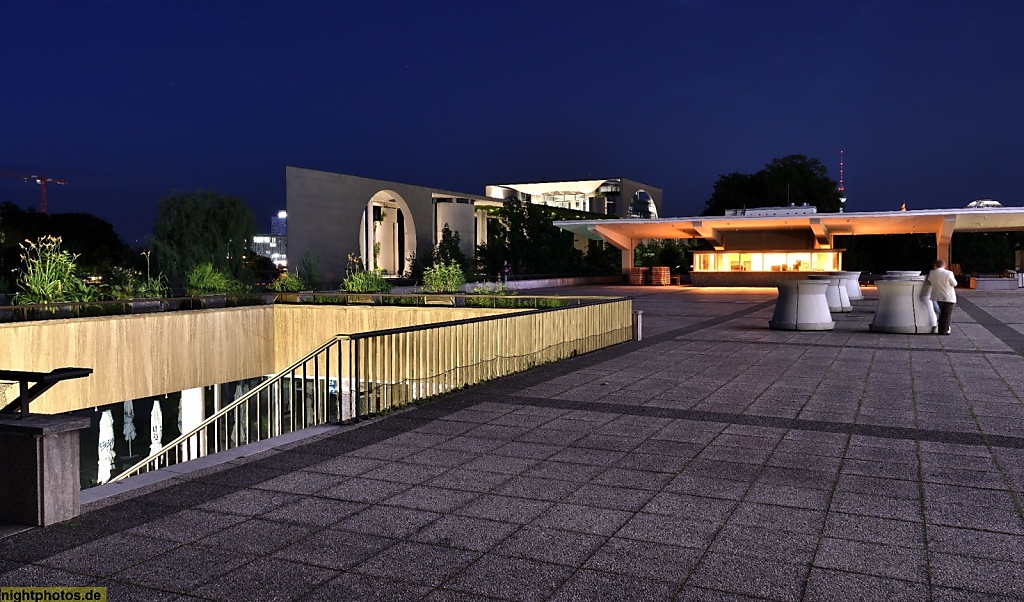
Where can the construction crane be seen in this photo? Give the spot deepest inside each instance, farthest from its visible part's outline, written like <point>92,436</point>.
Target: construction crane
<point>41,180</point>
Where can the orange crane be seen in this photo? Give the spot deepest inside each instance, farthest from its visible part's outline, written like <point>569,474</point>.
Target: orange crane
<point>41,180</point>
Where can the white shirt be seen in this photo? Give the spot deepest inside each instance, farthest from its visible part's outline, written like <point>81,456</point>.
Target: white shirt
<point>943,283</point>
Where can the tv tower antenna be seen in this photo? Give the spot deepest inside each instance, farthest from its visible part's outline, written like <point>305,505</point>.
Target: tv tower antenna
<point>842,187</point>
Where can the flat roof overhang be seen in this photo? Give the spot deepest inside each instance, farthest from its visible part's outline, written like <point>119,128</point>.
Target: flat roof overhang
<point>941,222</point>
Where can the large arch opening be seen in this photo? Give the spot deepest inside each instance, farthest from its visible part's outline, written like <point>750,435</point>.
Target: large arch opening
<point>387,234</point>
<point>642,205</point>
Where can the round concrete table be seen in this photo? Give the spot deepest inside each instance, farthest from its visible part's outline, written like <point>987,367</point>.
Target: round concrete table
<point>904,306</point>
<point>801,306</point>
<point>836,295</point>
<point>852,282</point>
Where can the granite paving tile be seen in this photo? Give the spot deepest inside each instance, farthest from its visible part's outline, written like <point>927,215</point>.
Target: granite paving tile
<point>504,508</point>
<point>872,529</point>
<point>183,569</point>
<point>108,555</point>
<point>435,499</point>
<point>388,521</point>
<point>354,587</point>
<point>605,496</point>
<point>464,532</point>
<point>314,511</point>
<point>402,472</point>
<point>550,545</point>
<point>880,560</point>
<point>187,525</point>
<point>117,590</point>
<point>300,482</point>
<point>976,543</point>
<point>255,537</point>
<point>346,466</point>
<point>40,576</point>
<point>583,519</point>
<point>979,574</point>
<point>768,579</point>
<point>828,585</point>
<point>613,587</point>
<point>675,531</point>
<point>767,543</point>
<point>364,490</point>
<point>534,488</point>
<point>249,502</point>
<point>266,579</point>
<point>433,565</point>
<point>464,479</point>
<point>644,559</point>
<point>508,578</point>
<point>778,517</point>
<point>334,548</point>
<point>708,487</point>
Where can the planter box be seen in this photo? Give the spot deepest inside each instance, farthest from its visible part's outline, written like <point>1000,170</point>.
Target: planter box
<point>145,306</point>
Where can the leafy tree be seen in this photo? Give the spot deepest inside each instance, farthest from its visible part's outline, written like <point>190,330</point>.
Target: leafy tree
<point>524,236</point>
<point>677,254</point>
<point>193,228</point>
<point>793,179</point>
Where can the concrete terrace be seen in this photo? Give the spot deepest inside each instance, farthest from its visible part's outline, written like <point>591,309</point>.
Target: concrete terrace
<point>714,460</point>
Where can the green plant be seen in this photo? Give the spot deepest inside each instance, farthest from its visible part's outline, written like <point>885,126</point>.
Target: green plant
<point>492,288</point>
<point>204,279</point>
<point>49,272</point>
<point>308,273</point>
<point>287,283</point>
<point>366,282</point>
<point>443,278</point>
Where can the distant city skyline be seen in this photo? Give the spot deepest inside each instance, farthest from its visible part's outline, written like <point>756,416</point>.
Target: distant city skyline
<point>132,101</point>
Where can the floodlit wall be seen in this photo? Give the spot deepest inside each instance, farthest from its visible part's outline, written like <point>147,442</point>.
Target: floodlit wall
<point>139,356</point>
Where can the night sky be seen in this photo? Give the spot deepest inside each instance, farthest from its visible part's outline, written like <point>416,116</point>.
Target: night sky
<point>131,100</point>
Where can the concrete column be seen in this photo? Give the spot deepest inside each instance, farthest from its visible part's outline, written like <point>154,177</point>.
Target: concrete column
<point>39,482</point>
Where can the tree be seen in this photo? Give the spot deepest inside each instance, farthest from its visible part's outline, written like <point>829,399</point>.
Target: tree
<point>793,179</point>
<point>199,227</point>
<point>96,245</point>
<point>524,236</point>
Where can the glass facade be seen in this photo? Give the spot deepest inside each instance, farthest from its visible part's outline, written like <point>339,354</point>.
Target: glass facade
<point>768,261</point>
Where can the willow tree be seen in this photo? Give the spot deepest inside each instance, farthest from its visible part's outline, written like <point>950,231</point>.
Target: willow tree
<point>199,227</point>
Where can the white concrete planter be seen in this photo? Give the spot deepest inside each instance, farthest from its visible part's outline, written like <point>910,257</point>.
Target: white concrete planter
<point>802,306</point>
<point>904,307</point>
<point>835,295</point>
<point>852,282</point>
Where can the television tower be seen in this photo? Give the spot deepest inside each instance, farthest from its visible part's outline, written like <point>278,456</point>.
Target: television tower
<point>842,187</point>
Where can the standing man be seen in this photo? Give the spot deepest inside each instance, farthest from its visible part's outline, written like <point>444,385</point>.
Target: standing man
<point>944,293</point>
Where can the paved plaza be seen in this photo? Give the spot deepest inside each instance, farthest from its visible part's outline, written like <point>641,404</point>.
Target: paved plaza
<point>714,460</point>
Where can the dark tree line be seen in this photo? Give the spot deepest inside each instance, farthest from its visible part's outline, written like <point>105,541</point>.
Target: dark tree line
<point>793,179</point>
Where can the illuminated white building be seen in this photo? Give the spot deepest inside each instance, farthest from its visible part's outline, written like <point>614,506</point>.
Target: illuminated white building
<point>616,196</point>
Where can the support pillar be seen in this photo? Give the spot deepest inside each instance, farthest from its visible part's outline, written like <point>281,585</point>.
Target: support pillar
<point>39,479</point>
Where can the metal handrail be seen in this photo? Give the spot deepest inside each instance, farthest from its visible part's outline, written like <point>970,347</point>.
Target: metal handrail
<point>224,411</point>
<point>365,369</point>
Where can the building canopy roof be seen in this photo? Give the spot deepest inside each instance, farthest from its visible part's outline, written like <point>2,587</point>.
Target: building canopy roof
<point>923,221</point>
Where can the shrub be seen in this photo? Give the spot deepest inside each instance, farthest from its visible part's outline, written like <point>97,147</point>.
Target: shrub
<point>492,288</point>
<point>286,283</point>
<point>205,280</point>
<point>366,282</point>
<point>443,278</point>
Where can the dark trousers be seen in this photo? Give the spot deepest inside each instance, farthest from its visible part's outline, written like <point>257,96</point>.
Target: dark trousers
<point>945,316</point>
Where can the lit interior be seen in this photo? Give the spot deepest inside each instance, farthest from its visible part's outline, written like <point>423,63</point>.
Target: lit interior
<point>768,261</point>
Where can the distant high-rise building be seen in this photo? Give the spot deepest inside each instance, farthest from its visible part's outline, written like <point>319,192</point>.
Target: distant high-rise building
<point>279,224</point>
<point>275,245</point>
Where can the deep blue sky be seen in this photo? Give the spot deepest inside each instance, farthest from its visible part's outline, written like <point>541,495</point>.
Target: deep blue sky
<point>133,99</point>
